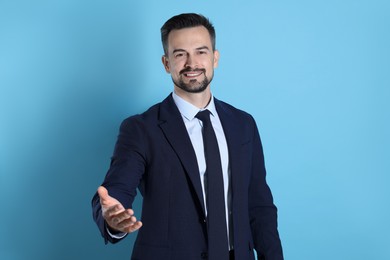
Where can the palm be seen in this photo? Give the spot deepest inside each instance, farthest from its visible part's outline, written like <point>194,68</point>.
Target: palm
<point>116,216</point>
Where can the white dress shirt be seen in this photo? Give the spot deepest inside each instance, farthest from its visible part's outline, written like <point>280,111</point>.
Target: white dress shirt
<point>194,129</point>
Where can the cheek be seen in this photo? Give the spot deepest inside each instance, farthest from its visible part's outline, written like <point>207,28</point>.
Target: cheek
<point>176,67</point>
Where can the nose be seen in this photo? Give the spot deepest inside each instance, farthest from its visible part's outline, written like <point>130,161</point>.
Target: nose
<point>191,62</point>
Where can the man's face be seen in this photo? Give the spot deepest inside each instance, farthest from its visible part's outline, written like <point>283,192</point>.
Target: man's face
<point>190,59</point>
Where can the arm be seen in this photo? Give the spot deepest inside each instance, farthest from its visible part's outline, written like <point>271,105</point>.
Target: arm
<point>262,211</point>
<point>113,202</point>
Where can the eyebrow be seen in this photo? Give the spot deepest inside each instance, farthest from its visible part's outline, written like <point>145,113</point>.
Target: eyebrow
<point>198,49</point>
<point>178,50</point>
<point>202,48</point>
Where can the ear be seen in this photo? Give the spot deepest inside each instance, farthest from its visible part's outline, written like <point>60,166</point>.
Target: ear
<point>165,62</point>
<point>216,58</point>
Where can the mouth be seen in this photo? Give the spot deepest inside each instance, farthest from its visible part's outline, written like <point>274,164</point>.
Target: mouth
<point>192,73</point>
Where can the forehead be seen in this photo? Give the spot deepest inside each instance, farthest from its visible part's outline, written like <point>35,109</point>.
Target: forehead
<point>189,38</point>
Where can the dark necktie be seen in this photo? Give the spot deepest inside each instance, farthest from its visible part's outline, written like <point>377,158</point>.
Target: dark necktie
<point>215,198</point>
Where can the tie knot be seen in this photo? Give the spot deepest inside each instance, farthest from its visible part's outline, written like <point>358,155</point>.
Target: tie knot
<point>204,116</point>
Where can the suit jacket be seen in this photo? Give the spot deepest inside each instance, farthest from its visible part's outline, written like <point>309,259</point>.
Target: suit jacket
<point>154,154</point>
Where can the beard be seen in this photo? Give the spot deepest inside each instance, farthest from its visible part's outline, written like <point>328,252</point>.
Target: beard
<point>194,86</point>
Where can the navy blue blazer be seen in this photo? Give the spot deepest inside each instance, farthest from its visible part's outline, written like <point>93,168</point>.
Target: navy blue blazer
<point>154,154</point>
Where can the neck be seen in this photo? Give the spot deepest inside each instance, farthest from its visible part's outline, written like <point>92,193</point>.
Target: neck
<point>200,100</point>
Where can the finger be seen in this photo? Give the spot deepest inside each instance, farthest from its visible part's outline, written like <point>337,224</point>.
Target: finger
<point>119,209</point>
<point>126,226</point>
<point>122,216</point>
<point>119,220</point>
<point>126,222</point>
<point>112,211</point>
<point>132,227</point>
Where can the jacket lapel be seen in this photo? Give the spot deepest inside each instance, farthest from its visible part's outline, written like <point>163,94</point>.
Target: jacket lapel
<point>234,138</point>
<point>172,125</point>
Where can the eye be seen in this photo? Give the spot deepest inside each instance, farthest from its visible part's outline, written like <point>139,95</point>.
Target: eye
<point>179,55</point>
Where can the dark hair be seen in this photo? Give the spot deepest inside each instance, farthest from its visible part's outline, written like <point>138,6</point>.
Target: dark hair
<point>182,21</point>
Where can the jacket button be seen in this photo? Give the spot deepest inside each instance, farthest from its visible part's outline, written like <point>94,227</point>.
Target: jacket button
<point>203,255</point>
<point>202,220</point>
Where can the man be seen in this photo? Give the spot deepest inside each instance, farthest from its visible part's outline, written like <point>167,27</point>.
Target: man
<point>198,163</point>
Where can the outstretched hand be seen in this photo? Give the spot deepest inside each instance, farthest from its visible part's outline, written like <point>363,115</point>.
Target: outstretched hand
<point>116,216</point>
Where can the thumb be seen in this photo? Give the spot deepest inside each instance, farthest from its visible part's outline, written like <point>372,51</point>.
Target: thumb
<point>107,202</point>
<point>103,194</point>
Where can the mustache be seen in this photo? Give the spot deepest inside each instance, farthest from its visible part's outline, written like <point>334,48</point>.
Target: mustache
<point>191,70</point>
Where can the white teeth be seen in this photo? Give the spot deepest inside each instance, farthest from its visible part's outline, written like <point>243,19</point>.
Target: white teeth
<point>192,74</point>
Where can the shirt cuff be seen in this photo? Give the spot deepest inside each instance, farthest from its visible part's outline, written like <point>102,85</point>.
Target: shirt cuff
<point>116,235</point>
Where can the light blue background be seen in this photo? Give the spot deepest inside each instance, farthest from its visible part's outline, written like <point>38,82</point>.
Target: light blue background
<point>314,74</point>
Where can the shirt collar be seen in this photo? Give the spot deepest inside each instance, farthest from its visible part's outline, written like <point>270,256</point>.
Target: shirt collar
<point>188,110</point>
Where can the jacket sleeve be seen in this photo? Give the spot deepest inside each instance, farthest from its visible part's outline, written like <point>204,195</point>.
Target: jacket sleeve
<point>125,173</point>
<point>262,211</point>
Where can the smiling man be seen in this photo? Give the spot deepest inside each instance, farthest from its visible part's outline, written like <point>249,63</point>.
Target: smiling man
<point>190,58</point>
<point>198,163</point>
